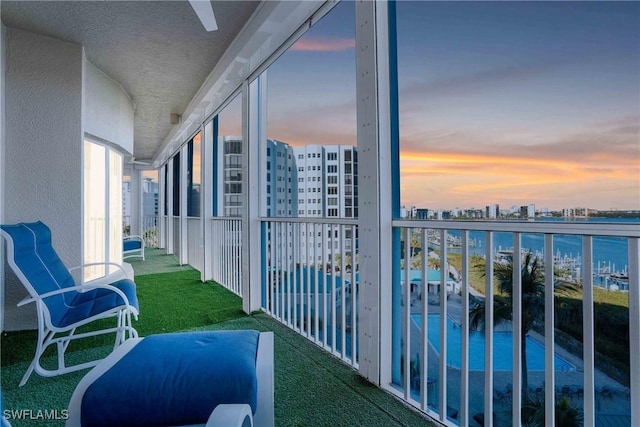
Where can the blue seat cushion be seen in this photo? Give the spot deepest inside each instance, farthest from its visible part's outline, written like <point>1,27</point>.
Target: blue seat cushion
<point>132,245</point>
<point>97,301</point>
<point>175,379</point>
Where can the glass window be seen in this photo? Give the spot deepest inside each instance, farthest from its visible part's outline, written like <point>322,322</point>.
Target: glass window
<point>166,189</point>
<point>516,117</point>
<point>310,85</point>
<point>102,176</point>
<point>227,138</point>
<point>532,107</point>
<point>194,176</point>
<point>176,184</point>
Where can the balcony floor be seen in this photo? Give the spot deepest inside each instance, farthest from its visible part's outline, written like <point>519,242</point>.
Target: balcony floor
<point>311,387</point>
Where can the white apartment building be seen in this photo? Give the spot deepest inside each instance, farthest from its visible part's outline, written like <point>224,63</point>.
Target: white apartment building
<point>149,197</point>
<point>327,187</point>
<point>528,211</point>
<point>279,176</point>
<point>126,198</point>
<point>281,182</point>
<point>312,181</point>
<point>310,166</point>
<point>493,211</point>
<point>229,172</point>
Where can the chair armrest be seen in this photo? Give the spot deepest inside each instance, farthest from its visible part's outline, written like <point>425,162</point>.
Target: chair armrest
<point>25,301</point>
<point>99,263</point>
<point>231,415</point>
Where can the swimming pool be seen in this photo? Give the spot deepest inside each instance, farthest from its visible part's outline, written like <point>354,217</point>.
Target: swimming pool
<point>502,346</point>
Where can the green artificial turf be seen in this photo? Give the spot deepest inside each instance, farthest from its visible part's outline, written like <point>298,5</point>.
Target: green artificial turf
<point>168,302</point>
<point>312,388</point>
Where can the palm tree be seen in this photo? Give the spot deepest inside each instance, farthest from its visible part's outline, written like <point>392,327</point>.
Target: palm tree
<point>566,414</point>
<point>532,302</point>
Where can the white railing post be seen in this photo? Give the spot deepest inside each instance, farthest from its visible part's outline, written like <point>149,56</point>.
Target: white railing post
<point>634,327</point>
<point>516,304</point>
<point>464,319</point>
<point>588,339</point>
<point>424,326</point>
<point>549,332</point>
<point>406,315</point>
<point>488,331</point>
<point>444,350</point>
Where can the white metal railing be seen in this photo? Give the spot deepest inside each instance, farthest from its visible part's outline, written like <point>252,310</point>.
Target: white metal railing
<point>436,339</point>
<point>226,259</point>
<point>150,231</point>
<point>308,280</point>
<point>149,227</point>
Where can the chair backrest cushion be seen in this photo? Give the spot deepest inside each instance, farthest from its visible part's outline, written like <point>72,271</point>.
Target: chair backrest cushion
<point>175,379</point>
<point>38,264</point>
<point>131,245</point>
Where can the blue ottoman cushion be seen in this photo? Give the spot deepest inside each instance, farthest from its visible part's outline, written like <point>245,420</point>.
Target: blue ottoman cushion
<point>175,379</point>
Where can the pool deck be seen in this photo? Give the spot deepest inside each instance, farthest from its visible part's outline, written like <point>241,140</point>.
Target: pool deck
<point>613,406</point>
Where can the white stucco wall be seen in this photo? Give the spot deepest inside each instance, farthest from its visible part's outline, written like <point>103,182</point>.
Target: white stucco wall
<point>108,109</point>
<point>43,149</point>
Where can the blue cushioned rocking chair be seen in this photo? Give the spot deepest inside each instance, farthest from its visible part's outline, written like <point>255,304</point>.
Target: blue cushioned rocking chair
<point>61,304</point>
<point>132,246</point>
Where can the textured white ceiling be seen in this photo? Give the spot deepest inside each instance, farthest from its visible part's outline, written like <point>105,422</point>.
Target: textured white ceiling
<point>157,50</point>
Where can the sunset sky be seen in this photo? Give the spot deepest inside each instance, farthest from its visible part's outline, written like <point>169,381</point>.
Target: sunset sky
<point>500,102</point>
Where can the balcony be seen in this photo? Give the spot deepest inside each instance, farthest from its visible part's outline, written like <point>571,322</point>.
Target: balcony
<point>314,310</point>
<point>419,310</point>
<point>307,286</point>
<point>312,388</point>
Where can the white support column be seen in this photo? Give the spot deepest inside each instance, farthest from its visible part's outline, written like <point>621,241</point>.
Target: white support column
<point>375,181</point>
<point>254,140</point>
<point>135,191</point>
<point>206,196</point>
<point>162,218</point>
<point>169,219</point>
<point>184,233</point>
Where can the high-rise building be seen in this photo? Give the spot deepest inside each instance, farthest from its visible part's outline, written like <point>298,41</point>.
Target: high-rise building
<point>422,214</point>
<point>309,161</point>
<point>281,180</point>
<point>126,200</point>
<point>492,211</point>
<point>312,181</point>
<point>528,211</point>
<point>327,187</point>
<point>229,171</point>
<point>149,197</point>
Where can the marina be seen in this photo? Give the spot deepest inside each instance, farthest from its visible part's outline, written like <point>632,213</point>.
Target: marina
<point>610,254</point>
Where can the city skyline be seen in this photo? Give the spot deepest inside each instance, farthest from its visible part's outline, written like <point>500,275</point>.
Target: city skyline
<point>518,102</point>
